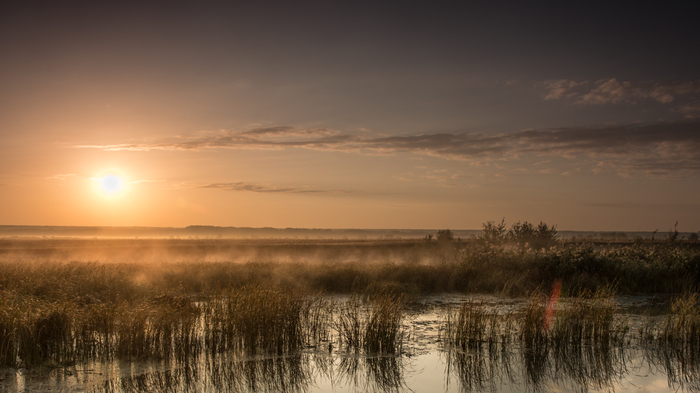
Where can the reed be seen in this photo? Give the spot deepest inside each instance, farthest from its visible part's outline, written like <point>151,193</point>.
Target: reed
<point>472,326</point>
<point>577,339</point>
<point>682,324</point>
<point>589,319</point>
<point>34,332</point>
<point>62,311</point>
<point>544,325</point>
<point>372,326</point>
<point>254,319</point>
<point>412,269</point>
<point>533,323</point>
<point>383,332</point>
<point>673,343</point>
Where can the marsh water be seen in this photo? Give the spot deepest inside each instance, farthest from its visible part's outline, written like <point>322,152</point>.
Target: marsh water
<point>423,364</point>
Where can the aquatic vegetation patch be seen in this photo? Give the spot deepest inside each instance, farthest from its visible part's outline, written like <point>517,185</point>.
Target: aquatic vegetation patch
<point>372,325</point>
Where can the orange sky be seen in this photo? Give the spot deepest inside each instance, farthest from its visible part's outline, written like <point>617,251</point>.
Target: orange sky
<point>342,118</point>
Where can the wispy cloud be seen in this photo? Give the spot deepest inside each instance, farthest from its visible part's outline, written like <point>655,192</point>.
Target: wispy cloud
<point>614,91</point>
<point>663,149</point>
<point>287,132</point>
<point>62,176</point>
<point>562,88</point>
<point>691,110</point>
<point>263,188</point>
<point>271,138</point>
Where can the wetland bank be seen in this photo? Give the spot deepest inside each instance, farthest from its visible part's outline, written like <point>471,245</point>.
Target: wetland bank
<point>347,315</point>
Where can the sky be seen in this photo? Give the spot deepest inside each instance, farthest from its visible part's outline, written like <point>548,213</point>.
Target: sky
<point>350,114</point>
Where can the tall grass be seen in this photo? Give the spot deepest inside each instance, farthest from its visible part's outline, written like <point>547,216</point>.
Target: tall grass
<point>371,326</point>
<point>255,319</point>
<point>472,325</point>
<point>418,268</point>
<point>672,342</point>
<point>586,319</point>
<point>475,340</point>
<point>251,320</point>
<point>383,332</point>
<point>60,312</point>
<point>581,340</point>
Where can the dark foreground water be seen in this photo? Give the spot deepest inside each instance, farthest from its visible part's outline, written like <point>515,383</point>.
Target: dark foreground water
<point>423,365</point>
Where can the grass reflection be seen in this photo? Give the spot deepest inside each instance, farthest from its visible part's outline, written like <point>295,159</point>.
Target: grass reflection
<point>292,373</point>
<point>580,345</point>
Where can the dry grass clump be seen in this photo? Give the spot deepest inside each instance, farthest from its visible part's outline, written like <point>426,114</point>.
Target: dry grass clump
<point>255,319</point>
<point>682,325</point>
<point>249,319</point>
<point>383,332</point>
<point>533,331</point>
<point>372,325</point>
<point>32,332</point>
<point>472,325</point>
<point>586,319</point>
<point>679,328</point>
<point>577,338</point>
<point>589,319</point>
<point>672,343</point>
<point>475,339</point>
<point>160,330</point>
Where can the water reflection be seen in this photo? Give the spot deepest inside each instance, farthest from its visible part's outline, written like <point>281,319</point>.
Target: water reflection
<point>582,367</point>
<point>680,364</point>
<point>485,365</point>
<point>294,373</point>
<point>223,374</point>
<point>570,368</point>
<point>486,368</point>
<point>378,374</point>
<point>482,369</point>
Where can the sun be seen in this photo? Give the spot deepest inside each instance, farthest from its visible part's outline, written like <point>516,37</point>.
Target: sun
<point>111,184</point>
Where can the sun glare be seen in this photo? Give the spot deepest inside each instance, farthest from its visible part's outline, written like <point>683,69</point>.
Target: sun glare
<point>110,184</point>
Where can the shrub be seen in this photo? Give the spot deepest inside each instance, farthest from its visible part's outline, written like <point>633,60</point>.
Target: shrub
<point>493,233</point>
<point>445,236</point>
<point>537,237</point>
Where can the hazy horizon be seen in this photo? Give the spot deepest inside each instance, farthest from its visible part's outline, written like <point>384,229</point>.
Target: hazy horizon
<point>203,232</point>
<point>360,115</point>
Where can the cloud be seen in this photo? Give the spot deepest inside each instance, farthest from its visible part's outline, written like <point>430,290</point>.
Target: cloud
<point>61,176</point>
<point>287,132</point>
<point>561,88</point>
<point>271,138</point>
<point>662,149</point>
<point>613,91</point>
<point>263,188</point>
<point>690,110</point>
